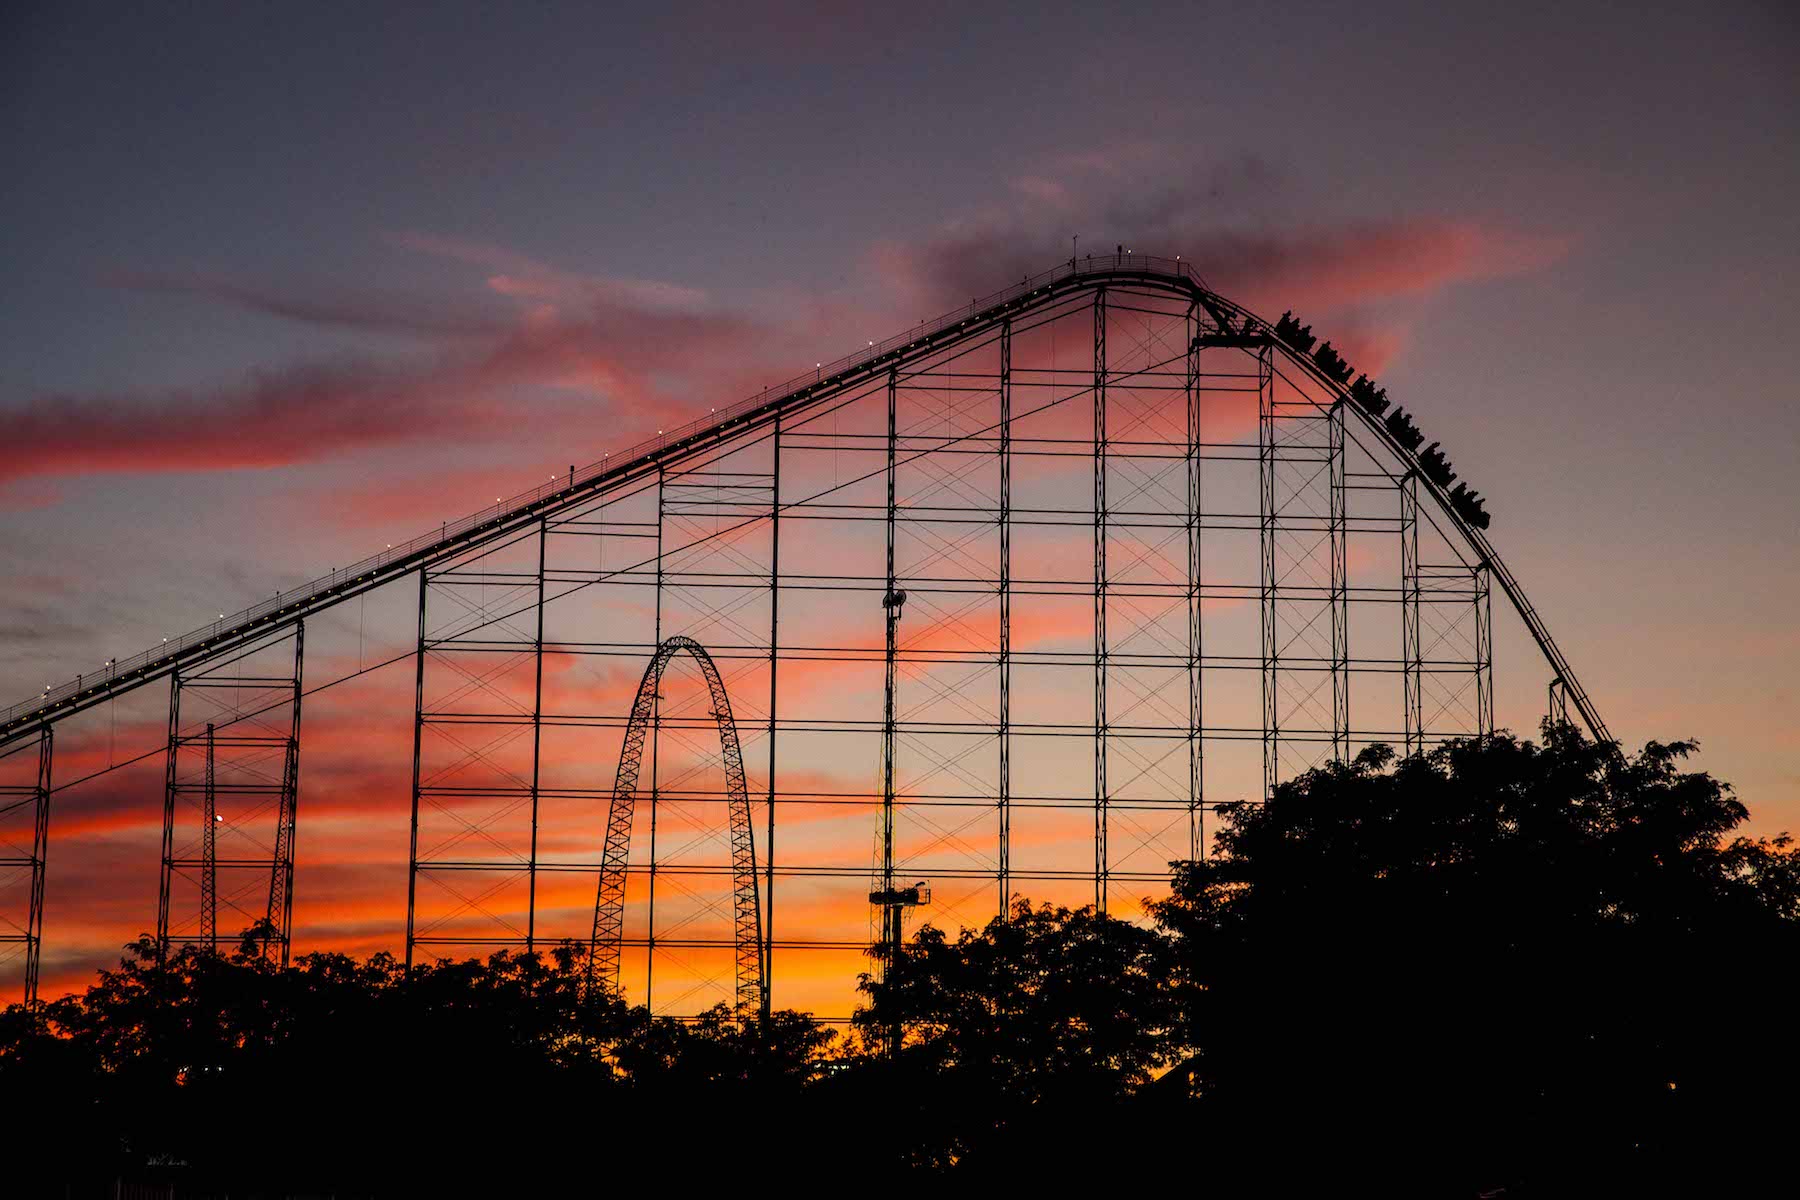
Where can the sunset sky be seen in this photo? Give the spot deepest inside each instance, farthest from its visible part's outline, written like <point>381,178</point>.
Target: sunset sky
<point>281,289</point>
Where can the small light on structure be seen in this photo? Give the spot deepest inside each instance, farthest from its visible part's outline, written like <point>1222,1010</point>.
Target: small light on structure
<point>217,817</point>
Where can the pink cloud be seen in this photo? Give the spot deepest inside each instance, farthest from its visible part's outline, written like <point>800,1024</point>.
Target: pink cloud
<point>632,358</point>
<point>1217,216</point>
<point>649,349</point>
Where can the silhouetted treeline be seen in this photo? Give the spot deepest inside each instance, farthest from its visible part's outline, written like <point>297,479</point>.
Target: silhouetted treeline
<point>1503,965</point>
<point>1545,968</point>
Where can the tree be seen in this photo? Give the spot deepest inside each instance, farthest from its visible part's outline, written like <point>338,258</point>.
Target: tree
<point>225,1072</point>
<point>1045,1016</point>
<point>1490,965</point>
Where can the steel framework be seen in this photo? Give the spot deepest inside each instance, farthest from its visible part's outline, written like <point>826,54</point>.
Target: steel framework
<point>31,794</point>
<point>246,735</point>
<point>1264,579</point>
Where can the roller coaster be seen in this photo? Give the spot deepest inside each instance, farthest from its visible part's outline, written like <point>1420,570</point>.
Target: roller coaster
<point>1078,680</point>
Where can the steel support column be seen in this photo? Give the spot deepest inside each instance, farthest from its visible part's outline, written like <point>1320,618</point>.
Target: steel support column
<point>768,910</point>
<point>1412,667</point>
<point>209,851</point>
<point>1269,582</point>
<point>166,879</point>
<point>1340,590</point>
<point>40,857</point>
<point>1196,644</point>
<point>891,604</point>
<point>537,740</point>
<point>280,913</point>
<point>1004,865</point>
<point>1100,789</point>
<point>1484,650</point>
<point>412,853</point>
<point>662,481</point>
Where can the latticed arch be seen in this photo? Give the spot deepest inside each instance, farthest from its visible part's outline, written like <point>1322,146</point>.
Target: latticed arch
<point>609,905</point>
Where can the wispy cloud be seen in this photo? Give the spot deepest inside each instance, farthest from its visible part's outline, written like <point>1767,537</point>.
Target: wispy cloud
<point>632,349</point>
<point>365,311</point>
<point>1307,269</point>
<point>513,274</point>
<point>1235,219</point>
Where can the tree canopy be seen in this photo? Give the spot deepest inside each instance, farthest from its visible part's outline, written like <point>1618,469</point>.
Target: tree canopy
<point>1491,964</point>
<point>1535,967</point>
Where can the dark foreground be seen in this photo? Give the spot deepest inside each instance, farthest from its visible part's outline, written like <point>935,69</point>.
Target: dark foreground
<point>1504,968</point>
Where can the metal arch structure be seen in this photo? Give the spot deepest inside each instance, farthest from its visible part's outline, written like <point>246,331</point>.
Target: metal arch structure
<point>981,354</point>
<point>609,904</point>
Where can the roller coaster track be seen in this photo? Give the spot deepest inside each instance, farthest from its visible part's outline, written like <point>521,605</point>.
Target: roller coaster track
<point>1476,538</point>
<point>830,380</point>
<point>609,904</point>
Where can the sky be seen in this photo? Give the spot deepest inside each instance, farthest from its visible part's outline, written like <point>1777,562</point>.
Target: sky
<point>284,286</point>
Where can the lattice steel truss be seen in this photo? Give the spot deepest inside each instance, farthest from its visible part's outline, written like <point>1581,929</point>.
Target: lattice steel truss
<point>609,905</point>
<point>967,460</point>
<point>1151,560</point>
<point>24,849</point>
<point>232,770</point>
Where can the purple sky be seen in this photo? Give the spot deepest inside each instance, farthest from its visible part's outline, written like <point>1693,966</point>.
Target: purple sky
<point>282,289</point>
